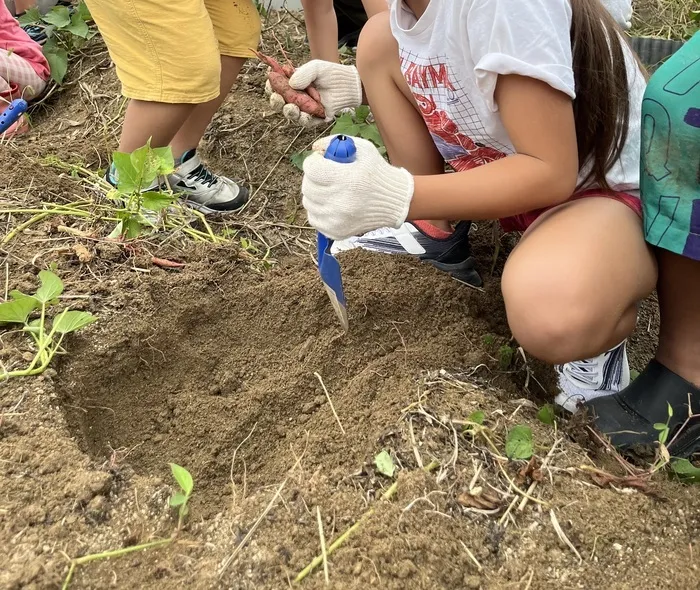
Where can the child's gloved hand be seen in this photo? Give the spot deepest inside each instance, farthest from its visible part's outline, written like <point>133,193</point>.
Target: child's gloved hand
<point>339,87</point>
<point>343,200</point>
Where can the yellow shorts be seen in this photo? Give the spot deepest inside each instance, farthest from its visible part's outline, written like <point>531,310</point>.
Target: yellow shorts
<point>169,50</point>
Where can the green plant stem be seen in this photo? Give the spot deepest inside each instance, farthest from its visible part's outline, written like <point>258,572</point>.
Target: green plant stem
<point>38,343</point>
<point>318,560</point>
<point>203,236</point>
<point>107,554</point>
<point>22,226</point>
<point>44,354</point>
<point>54,210</point>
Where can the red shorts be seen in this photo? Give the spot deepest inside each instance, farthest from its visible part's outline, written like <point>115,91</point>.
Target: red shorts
<point>524,220</point>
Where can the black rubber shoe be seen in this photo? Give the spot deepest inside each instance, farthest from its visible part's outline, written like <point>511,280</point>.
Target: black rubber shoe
<point>628,417</point>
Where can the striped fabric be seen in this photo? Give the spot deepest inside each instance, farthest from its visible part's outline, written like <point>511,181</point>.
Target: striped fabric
<point>18,78</point>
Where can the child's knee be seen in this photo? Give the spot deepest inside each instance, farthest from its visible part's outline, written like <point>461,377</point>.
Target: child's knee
<point>555,325</point>
<point>376,41</point>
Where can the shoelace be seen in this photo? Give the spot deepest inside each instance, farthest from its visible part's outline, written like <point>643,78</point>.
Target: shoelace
<point>203,175</point>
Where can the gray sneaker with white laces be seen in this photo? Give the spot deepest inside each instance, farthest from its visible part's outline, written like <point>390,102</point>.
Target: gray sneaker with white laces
<point>583,381</point>
<point>203,190</point>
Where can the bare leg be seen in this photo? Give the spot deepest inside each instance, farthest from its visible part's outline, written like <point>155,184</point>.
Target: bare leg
<point>190,133</point>
<point>156,121</point>
<point>401,125</point>
<point>679,339</point>
<point>573,283</point>
<point>180,125</point>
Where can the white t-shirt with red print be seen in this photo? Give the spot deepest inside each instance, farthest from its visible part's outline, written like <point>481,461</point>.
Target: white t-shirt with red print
<point>451,59</point>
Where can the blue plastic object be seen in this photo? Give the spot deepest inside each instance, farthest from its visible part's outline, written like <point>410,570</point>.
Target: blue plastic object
<point>12,113</point>
<point>342,149</point>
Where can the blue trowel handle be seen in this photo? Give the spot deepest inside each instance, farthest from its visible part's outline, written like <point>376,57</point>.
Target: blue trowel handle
<point>12,113</point>
<point>341,149</point>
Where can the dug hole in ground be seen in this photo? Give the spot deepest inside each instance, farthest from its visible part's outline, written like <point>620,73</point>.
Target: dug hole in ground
<point>226,365</point>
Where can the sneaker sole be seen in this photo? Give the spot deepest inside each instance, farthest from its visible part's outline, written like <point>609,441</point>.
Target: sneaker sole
<point>208,211</point>
<point>464,272</point>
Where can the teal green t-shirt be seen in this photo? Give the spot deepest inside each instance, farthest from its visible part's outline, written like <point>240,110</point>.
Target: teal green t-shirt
<point>670,165</point>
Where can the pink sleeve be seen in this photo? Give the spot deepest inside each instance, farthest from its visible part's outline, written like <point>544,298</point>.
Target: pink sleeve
<point>14,39</point>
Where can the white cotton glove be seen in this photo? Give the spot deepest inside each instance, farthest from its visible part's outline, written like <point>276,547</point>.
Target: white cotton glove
<point>343,200</point>
<point>621,11</point>
<point>339,87</point>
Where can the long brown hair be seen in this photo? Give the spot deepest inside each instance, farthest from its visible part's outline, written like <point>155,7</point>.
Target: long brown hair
<point>602,103</point>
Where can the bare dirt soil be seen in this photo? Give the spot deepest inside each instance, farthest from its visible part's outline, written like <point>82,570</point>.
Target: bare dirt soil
<point>226,367</point>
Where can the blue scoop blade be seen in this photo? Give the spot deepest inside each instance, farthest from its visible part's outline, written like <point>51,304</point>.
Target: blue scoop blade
<point>329,269</point>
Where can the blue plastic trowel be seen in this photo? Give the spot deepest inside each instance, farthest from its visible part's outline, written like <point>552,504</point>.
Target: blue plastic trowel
<point>12,113</point>
<point>341,149</point>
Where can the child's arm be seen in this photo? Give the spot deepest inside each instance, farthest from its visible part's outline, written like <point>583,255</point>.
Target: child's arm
<point>322,26</point>
<point>543,172</point>
<point>322,29</point>
<point>342,200</point>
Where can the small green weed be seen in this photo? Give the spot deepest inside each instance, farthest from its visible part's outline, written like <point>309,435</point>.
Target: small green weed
<point>663,428</point>
<point>359,125</point>
<point>519,444</point>
<point>488,340</point>
<point>547,414</point>
<point>66,33</point>
<point>133,211</point>
<point>135,172</point>
<point>694,23</point>
<point>685,471</point>
<point>505,357</point>
<point>261,8</point>
<point>477,417</point>
<point>180,498</point>
<point>385,464</point>
<point>47,335</point>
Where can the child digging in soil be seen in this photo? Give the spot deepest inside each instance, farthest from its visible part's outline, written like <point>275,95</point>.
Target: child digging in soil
<point>177,61</point>
<point>670,186</point>
<point>24,70</point>
<point>539,116</point>
<point>342,90</point>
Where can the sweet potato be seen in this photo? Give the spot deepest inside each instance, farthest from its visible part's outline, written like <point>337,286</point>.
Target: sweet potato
<point>313,93</point>
<point>306,104</point>
<point>272,62</point>
<point>308,101</point>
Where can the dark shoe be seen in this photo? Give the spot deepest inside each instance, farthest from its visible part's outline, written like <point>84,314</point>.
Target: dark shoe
<point>628,417</point>
<point>451,254</point>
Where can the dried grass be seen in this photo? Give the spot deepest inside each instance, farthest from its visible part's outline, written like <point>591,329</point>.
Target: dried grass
<point>666,19</point>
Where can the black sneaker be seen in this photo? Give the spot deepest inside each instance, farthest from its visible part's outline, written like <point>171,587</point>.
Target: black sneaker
<point>627,418</point>
<point>451,255</point>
